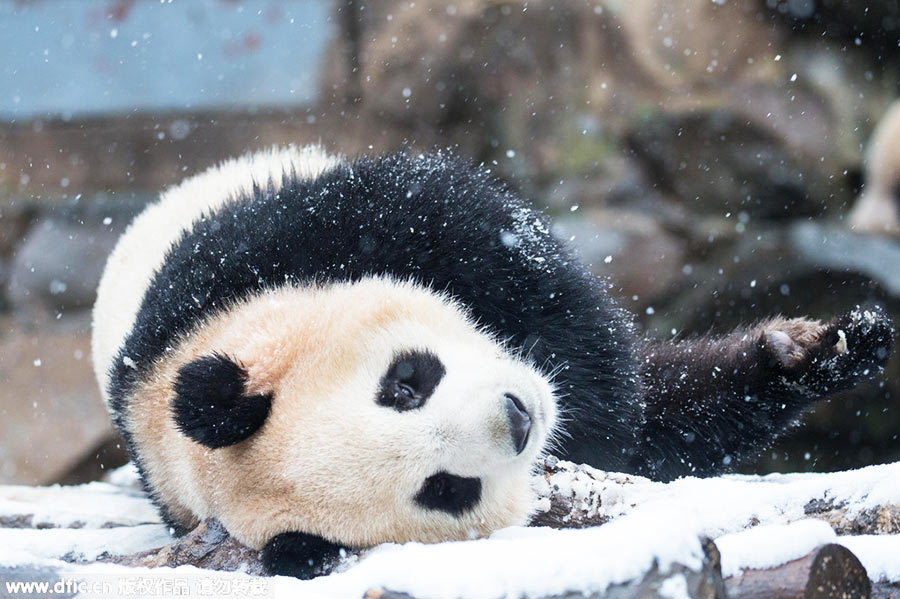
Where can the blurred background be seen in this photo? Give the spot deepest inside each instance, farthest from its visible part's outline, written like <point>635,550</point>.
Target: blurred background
<point>717,160</point>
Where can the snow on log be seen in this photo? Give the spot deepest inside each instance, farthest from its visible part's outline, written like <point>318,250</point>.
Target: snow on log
<point>593,534</point>
<point>865,501</point>
<point>674,582</point>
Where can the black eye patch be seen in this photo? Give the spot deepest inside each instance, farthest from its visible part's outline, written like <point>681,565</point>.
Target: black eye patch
<point>410,381</point>
<point>449,493</point>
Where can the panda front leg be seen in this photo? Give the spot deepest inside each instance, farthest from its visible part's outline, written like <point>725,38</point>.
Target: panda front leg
<point>711,403</point>
<point>300,555</point>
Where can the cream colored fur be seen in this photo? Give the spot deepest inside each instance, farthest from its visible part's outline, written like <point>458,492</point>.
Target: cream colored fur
<point>877,210</point>
<point>142,248</point>
<point>329,460</point>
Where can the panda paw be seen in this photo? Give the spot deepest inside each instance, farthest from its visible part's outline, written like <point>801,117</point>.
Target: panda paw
<point>834,356</point>
<point>301,555</point>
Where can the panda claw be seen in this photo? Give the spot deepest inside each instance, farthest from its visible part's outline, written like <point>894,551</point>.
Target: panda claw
<point>841,346</point>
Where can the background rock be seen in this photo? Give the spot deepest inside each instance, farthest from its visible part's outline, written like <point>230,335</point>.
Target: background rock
<point>51,413</point>
<point>712,150</point>
<point>59,265</point>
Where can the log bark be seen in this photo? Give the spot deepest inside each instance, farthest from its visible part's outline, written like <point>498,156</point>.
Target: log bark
<point>575,501</point>
<point>881,520</point>
<point>881,590</point>
<point>829,572</point>
<point>572,495</point>
<point>208,546</point>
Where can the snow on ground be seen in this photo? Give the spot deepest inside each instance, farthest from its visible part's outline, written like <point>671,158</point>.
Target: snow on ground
<point>83,544</point>
<point>651,522</point>
<point>91,505</point>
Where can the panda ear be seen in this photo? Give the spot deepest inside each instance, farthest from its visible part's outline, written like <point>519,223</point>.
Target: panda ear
<point>211,405</point>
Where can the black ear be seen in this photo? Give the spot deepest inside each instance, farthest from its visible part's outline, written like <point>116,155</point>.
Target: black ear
<point>300,555</point>
<point>210,405</point>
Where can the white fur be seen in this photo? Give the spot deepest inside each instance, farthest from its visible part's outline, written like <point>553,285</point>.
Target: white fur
<point>328,460</point>
<point>142,248</point>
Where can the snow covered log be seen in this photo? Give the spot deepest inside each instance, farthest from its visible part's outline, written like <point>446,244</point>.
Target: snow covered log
<point>846,520</point>
<point>860,502</point>
<point>648,544</point>
<point>208,546</point>
<point>675,581</point>
<point>829,572</point>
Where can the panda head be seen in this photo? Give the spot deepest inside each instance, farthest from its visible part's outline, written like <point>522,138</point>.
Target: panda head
<point>360,412</point>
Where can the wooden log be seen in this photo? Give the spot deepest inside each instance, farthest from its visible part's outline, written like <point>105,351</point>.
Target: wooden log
<point>208,546</point>
<point>885,590</point>
<point>881,520</point>
<point>572,495</point>
<point>829,572</point>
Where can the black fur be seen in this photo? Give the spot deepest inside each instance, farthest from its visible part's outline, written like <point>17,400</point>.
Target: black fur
<point>455,229</point>
<point>300,555</point>
<point>449,493</point>
<point>714,402</point>
<point>210,405</point>
<point>410,381</point>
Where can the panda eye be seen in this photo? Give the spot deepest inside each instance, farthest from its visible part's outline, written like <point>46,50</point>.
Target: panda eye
<point>410,381</point>
<point>405,390</point>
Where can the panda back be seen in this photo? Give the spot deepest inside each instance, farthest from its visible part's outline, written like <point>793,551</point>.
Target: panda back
<point>431,219</point>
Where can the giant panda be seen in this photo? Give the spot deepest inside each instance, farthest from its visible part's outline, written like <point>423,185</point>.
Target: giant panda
<point>326,353</point>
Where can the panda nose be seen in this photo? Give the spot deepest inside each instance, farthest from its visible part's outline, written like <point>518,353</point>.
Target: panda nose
<point>519,422</point>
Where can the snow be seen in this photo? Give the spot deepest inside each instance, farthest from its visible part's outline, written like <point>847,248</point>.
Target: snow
<point>88,506</point>
<point>768,546</point>
<point>726,504</point>
<point>83,544</point>
<point>675,587</point>
<point>757,522</point>
<point>880,555</point>
<point>519,561</point>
